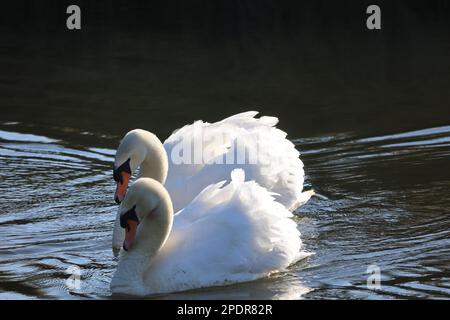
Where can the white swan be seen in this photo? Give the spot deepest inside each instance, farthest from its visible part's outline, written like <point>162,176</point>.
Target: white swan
<point>191,158</point>
<point>227,234</point>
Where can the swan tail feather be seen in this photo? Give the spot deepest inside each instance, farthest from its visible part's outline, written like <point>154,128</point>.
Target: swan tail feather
<point>302,199</point>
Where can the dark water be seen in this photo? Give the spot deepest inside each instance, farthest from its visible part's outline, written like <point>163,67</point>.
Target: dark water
<point>369,112</point>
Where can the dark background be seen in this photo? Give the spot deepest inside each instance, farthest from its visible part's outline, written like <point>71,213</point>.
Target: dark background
<point>161,64</point>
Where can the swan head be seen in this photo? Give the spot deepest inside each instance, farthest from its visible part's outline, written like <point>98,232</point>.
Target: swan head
<point>130,154</point>
<point>145,198</point>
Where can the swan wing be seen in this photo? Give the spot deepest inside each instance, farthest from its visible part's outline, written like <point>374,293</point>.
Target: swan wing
<point>210,139</point>
<point>240,141</point>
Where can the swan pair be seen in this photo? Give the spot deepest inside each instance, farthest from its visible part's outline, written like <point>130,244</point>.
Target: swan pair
<point>193,224</point>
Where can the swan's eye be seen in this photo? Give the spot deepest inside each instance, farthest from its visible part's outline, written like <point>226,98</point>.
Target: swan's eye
<point>117,173</point>
<point>117,176</point>
<point>129,215</point>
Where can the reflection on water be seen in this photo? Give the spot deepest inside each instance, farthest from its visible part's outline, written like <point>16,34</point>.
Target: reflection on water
<point>380,200</point>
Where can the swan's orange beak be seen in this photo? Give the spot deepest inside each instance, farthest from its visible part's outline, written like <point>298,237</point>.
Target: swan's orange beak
<point>130,233</point>
<point>122,186</point>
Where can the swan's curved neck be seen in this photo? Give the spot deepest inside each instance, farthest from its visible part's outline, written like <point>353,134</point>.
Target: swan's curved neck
<point>151,235</point>
<point>155,164</point>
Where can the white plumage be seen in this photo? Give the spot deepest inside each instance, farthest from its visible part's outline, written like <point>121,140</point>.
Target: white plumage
<point>227,234</point>
<point>278,167</point>
<point>233,220</point>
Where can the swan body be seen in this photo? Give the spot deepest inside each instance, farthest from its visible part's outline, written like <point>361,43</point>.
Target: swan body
<point>199,154</point>
<point>232,220</point>
<point>228,233</point>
